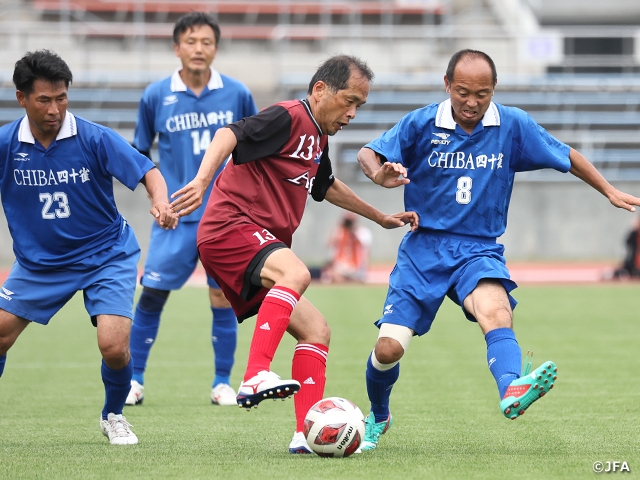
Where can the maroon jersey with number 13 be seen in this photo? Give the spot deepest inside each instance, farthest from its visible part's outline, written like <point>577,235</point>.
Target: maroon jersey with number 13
<point>281,158</point>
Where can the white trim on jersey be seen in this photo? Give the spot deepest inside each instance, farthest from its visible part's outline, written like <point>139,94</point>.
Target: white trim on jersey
<point>68,129</point>
<point>284,296</point>
<point>311,348</point>
<point>305,102</point>
<point>444,116</point>
<point>177,85</point>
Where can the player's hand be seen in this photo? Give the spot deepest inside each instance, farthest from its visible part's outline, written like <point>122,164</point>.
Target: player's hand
<point>391,175</point>
<point>623,200</point>
<point>188,198</point>
<point>165,217</point>
<point>400,220</point>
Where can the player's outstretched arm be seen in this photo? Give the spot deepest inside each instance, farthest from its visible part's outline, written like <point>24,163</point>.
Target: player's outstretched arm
<point>160,207</point>
<point>189,197</point>
<point>585,171</point>
<point>342,196</point>
<point>386,174</point>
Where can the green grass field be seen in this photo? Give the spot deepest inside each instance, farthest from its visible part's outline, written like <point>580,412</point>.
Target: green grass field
<point>446,418</point>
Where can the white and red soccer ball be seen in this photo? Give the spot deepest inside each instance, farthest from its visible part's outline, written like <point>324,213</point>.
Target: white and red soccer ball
<point>334,427</point>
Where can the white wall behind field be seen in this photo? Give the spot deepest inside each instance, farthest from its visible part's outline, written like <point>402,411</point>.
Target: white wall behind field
<point>547,221</point>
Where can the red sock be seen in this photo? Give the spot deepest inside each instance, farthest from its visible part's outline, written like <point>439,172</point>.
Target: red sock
<point>272,322</point>
<point>309,368</point>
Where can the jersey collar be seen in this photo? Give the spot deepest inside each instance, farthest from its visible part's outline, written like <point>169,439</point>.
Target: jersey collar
<point>68,129</point>
<point>177,85</point>
<point>444,116</point>
<point>305,102</point>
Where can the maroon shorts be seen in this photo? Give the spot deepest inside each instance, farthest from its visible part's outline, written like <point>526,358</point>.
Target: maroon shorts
<point>234,258</point>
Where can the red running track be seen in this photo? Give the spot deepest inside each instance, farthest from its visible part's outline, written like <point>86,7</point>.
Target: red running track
<point>521,273</point>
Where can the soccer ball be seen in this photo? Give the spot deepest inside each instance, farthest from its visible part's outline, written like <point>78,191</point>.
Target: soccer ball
<point>334,427</point>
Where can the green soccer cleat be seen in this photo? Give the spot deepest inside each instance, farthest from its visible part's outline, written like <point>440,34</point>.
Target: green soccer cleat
<point>373,431</point>
<point>527,389</point>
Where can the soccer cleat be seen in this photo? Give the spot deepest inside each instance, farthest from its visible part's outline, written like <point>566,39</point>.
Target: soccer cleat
<point>116,429</point>
<point>136,394</point>
<point>264,385</point>
<point>299,444</point>
<point>223,394</point>
<point>527,389</point>
<point>373,431</point>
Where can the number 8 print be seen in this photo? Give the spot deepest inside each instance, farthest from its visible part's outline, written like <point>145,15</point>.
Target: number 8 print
<point>463,195</point>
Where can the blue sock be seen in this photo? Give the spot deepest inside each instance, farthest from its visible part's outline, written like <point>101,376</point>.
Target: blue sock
<point>117,384</point>
<point>224,333</point>
<point>145,329</point>
<point>504,357</point>
<point>379,384</point>
<point>3,359</point>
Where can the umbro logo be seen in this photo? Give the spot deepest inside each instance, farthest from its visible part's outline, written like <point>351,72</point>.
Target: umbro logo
<point>22,157</point>
<point>265,326</point>
<point>155,276</point>
<point>388,309</point>
<point>148,341</point>
<point>170,100</point>
<point>309,381</point>
<point>6,293</point>
<point>443,139</point>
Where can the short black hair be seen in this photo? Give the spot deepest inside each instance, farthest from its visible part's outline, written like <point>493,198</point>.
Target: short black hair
<point>336,71</point>
<point>462,54</point>
<point>190,20</point>
<point>40,65</point>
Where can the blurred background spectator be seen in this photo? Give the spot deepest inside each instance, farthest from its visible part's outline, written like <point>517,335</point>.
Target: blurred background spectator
<point>631,263</point>
<point>350,243</point>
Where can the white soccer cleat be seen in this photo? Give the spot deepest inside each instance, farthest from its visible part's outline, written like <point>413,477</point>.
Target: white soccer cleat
<point>116,429</point>
<point>136,394</point>
<point>262,386</point>
<point>299,444</point>
<point>223,394</point>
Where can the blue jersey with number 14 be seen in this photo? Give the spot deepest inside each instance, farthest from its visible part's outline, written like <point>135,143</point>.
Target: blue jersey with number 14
<point>462,183</point>
<point>185,124</point>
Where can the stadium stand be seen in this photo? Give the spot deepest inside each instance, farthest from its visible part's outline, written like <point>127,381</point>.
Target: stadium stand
<point>597,114</point>
<point>253,20</point>
<point>114,108</point>
<point>600,119</point>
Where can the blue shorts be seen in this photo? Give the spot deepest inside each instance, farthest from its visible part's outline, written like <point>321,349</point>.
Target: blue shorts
<point>107,279</point>
<point>432,265</point>
<point>172,257</point>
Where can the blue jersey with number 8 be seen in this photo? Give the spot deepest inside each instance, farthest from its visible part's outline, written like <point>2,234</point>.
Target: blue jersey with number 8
<point>462,183</point>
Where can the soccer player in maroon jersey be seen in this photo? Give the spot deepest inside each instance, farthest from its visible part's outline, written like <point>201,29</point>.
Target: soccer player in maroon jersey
<point>280,156</point>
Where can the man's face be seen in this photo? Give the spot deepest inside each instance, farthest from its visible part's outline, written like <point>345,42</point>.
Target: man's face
<point>471,91</point>
<point>335,110</point>
<point>197,48</point>
<point>46,107</point>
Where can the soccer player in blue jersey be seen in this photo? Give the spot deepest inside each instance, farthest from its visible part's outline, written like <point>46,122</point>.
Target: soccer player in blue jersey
<point>56,183</point>
<point>184,111</point>
<point>457,161</point>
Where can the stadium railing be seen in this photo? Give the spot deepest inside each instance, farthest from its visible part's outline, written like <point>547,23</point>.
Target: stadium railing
<point>250,20</point>
<point>291,7</point>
